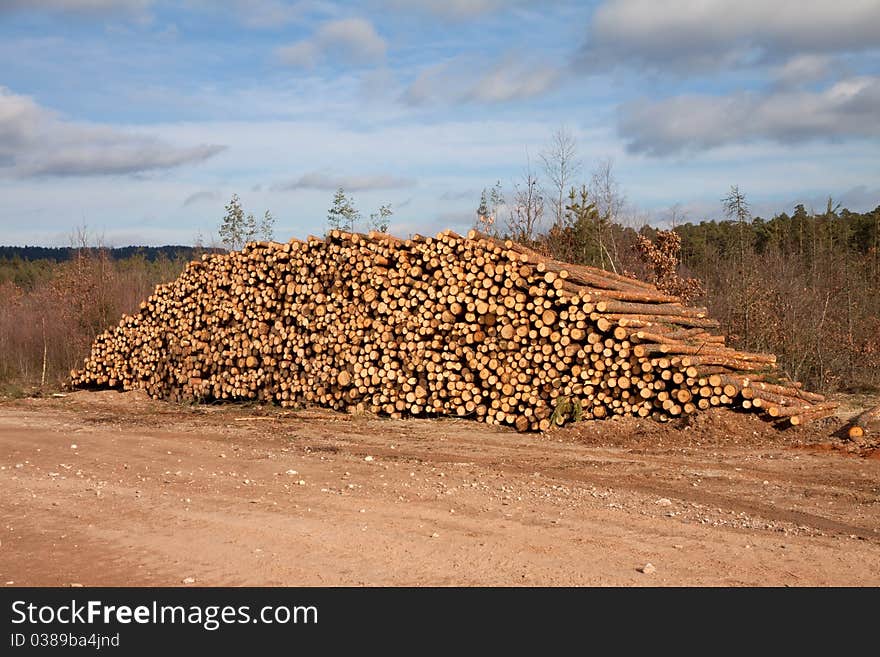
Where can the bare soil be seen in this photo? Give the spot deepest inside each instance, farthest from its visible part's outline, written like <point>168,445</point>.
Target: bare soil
<point>106,488</point>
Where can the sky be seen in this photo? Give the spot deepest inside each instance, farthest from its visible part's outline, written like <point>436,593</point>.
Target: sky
<point>138,119</point>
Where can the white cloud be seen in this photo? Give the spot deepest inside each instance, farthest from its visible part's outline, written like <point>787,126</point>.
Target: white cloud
<point>378,84</point>
<point>325,181</point>
<point>260,14</point>
<point>509,78</point>
<point>267,13</point>
<point>136,8</point>
<point>450,9</point>
<point>859,198</point>
<point>36,142</point>
<point>464,10</point>
<point>689,123</point>
<point>354,40</point>
<point>201,197</point>
<point>302,54</point>
<point>803,70</point>
<point>712,34</point>
<point>431,84</point>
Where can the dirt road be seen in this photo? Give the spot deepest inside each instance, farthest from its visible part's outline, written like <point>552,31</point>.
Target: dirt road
<point>115,489</point>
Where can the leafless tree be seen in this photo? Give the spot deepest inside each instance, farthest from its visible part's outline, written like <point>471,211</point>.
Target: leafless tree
<point>527,209</point>
<point>606,191</point>
<point>561,165</point>
<point>610,201</point>
<point>677,215</point>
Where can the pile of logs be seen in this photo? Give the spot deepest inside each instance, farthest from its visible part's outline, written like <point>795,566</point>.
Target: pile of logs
<point>446,325</point>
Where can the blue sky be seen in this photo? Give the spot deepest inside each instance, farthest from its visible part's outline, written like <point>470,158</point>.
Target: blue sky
<point>140,118</point>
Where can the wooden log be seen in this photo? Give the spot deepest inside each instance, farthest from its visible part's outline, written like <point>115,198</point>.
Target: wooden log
<point>734,363</point>
<point>651,321</point>
<point>811,413</point>
<point>858,426</point>
<point>789,390</point>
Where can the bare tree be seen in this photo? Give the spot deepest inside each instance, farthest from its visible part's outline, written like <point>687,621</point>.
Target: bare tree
<point>561,165</point>
<point>606,191</point>
<point>735,204</point>
<point>250,227</point>
<point>267,227</point>
<point>342,215</point>
<point>233,226</point>
<point>677,215</point>
<point>381,219</point>
<point>610,201</point>
<point>528,207</point>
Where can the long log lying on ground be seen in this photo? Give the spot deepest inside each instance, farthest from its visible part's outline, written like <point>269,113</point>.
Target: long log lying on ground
<point>446,325</point>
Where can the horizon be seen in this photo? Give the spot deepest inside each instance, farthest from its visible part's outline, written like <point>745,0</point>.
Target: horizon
<point>141,118</point>
<point>97,241</point>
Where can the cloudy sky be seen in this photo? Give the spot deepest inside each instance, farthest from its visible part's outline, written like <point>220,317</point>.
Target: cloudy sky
<point>140,118</point>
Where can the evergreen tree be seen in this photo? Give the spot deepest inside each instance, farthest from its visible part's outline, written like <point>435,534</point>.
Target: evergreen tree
<point>586,227</point>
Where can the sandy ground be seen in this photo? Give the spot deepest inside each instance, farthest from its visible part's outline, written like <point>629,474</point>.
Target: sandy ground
<point>103,488</point>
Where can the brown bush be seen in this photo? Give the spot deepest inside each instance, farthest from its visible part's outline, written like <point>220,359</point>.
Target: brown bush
<point>46,330</point>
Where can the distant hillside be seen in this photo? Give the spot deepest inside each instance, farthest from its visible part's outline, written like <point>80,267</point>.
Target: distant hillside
<point>64,253</point>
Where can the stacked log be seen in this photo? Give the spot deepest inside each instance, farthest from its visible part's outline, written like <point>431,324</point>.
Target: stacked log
<point>447,325</point>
